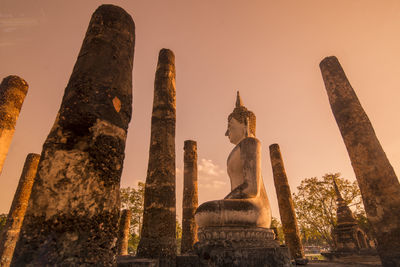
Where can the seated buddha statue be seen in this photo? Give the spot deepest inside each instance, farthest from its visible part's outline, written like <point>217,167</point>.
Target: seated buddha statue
<point>247,204</point>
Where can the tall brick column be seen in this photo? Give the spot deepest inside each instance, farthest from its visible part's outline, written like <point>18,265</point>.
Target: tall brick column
<point>190,197</point>
<point>159,216</point>
<point>379,186</point>
<point>72,216</point>
<point>123,235</point>
<point>17,211</point>
<point>285,202</point>
<point>13,90</point>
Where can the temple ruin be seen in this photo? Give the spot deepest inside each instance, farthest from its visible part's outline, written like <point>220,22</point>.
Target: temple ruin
<point>349,237</point>
<point>72,215</point>
<point>66,210</point>
<point>379,186</point>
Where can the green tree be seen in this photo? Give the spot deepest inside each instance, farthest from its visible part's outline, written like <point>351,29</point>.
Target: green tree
<point>133,199</point>
<point>276,224</point>
<point>315,204</point>
<point>178,237</point>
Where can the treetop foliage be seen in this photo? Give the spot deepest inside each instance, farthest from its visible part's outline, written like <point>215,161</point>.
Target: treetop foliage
<point>133,199</point>
<point>315,205</point>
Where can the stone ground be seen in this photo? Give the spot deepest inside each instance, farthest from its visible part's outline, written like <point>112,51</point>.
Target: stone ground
<point>361,261</point>
<point>340,264</point>
<point>355,261</point>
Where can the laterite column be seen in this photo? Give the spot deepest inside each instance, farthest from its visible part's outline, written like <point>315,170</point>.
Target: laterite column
<point>190,197</point>
<point>10,232</point>
<point>286,206</point>
<point>72,216</point>
<point>379,186</point>
<point>13,90</point>
<point>158,238</point>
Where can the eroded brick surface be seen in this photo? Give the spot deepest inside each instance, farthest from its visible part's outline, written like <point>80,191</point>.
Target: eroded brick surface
<point>380,188</point>
<point>190,197</point>
<point>285,202</point>
<point>159,216</point>
<point>72,216</point>
<point>123,234</point>
<point>15,217</point>
<point>13,90</point>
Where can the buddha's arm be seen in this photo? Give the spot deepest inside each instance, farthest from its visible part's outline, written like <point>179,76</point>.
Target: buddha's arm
<point>237,193</point>
<point>250,155</point>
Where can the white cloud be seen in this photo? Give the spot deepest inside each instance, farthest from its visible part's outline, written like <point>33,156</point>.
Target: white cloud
<point>211,175</point>
<point>11,24</point>
<point>13,30</point>
<point>207,168</point>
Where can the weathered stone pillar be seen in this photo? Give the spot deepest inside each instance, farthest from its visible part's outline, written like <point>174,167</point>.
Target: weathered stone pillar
<point>380,188</point>
<point>285,202</point>
<point>190,197</point>
<point>16,214</point>
<point>159,217</point>
<point>123,235</point>
<point>72,216</point>
<point>13,90</point>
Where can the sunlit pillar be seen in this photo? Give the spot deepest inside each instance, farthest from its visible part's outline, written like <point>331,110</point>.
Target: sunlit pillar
<point>17,211</point>
<point>190,197</point>
<point>123,236</point>
<point>159,217</point>
<point>379,186</point>
<point>13,90</point>
<point>72,216</point>
<point>285,202</point>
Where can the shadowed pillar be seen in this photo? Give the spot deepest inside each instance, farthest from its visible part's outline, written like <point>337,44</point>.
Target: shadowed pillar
<point>16,214</point>
<point>190,197</point>
<point>13,90</point>
<point>72,216</point>
<point>123,236</point>
<point>379,186</point>
<point>159,217</point>
<point>285,202</point>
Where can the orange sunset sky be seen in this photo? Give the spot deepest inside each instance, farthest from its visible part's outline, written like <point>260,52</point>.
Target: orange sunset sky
<point>268,50</point>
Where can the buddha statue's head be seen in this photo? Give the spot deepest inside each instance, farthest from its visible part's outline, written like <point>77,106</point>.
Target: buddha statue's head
<point>241,123</point>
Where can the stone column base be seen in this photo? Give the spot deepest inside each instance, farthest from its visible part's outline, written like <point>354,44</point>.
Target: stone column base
<point>240,246</point>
